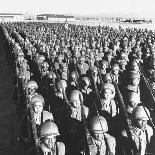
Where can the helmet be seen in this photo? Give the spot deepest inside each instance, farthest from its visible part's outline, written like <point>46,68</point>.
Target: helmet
<point>48,128</point>
<point>134,75</point>
<point>98,123</point>
<point>60,57</point>
<point>51,74</point>
<point>81,58</point>
<point>62,83</point>
<point>32,84</point>
<point>123,54</point>
<point>76,95</point>
<point>41,57</point>
<point>134,97</point>
<point>115,67</point>
<point>104,62</point>
<point>141,113</point>
<point>109,86</point>
<point>94,69</point>
<point>85,80</point>
<point>73,74</point>
<point>107,77</point>
<point>37,98</point>
<point>45,64</point>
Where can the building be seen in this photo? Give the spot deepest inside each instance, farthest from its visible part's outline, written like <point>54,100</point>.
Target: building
<point>55,17</point>
<point>11,17</point>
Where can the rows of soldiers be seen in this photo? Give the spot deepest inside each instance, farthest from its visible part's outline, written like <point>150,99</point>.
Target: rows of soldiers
<point>83,90</point>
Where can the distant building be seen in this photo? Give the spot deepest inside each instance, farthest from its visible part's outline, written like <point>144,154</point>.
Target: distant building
<point>11,17</point>
<point>55,17</point>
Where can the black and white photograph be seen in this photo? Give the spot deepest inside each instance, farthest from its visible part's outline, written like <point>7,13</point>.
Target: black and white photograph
<point>77,77</point>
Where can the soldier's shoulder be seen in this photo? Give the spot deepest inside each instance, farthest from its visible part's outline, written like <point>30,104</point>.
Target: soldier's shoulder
<point>61,147</point>
<point>110,138</point>
<point>47,116</point>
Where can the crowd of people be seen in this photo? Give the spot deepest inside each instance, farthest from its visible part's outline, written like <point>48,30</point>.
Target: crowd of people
<point>83,90</point>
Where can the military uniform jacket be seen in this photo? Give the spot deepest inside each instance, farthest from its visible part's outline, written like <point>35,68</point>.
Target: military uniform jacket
<point>140,137</point>
<point>59,150</point>
<point>104,147</point>
<point>109,106</point>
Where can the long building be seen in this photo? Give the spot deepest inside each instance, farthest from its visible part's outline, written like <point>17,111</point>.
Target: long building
<point>11,17</point>
<point>55,17</point>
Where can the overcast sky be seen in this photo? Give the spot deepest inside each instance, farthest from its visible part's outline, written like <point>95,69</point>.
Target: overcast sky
<point>81,7</point>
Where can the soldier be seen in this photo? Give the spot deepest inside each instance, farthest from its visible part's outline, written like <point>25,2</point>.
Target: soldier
<point>115,73</point>
<point>82,66</point>
<point>31,88</point>
<point>108,106</point>
<point>40,115</point>
<point>76,101</point>
<point>101,142</point>
<point>48,142</point>
<point>133,101</point>
<point>59,62</point>
<point>133,85</point>
<point>104,66</point>
<point>141,132</point>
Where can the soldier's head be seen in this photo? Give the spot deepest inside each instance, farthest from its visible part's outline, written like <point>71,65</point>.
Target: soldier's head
<point>60,58</point>
<point>104,64</point>
<point>45,66</point>
<point>82,59</point>
<point>62,85</point>
<point>98,126</point>
<point>32,86</point>
<point>85,82</point>
<point>38,103</point>
<point>48,133</point>
<point>64,67</point>
<point>115,69</point>
<point>41,58</point>
<point>107,78</point>
<point>140,116</point>
<point>134,66</point>
<point>95,71</point>
<point>135,78</point>
<point>75,98</point>
<point>73,76</point>
<point>108,91</point>
<point>133,100</point>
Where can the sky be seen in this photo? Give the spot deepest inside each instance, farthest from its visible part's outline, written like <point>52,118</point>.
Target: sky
<point>80,7</point>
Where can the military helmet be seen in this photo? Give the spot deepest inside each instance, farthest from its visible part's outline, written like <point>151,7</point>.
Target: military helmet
<point>60,57</point>
<point>37,98</point>
<point>51,74</point>
<point>76,95</point>
<point>107,77</point>
<point>32,84</point>
<point>134,97</point>
<point>98,123</point>
<point>85,80</point>
<point>45,64</point>
<point>48,128</point>
<point>73,74</point>
<point>62,84</point>
<point>141,112</point>
<point>41,57</point>
<point>109,86</point>
<point>115,67</point>
<point>81,58</point>
<point>134,75</point>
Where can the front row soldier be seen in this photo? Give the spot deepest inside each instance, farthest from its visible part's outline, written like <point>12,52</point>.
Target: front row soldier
<point>101,143</point>
<point>141,133</point>
<point>48,141</point>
